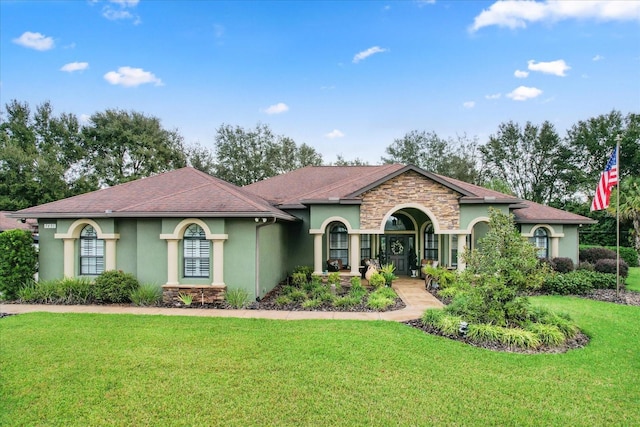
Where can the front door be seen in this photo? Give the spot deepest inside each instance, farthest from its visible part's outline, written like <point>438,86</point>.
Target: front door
<point>398,251</point>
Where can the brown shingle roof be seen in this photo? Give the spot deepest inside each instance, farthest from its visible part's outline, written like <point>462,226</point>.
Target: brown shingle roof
<point>182,192</point>
<point>334,184</point>
<point>7,223</point>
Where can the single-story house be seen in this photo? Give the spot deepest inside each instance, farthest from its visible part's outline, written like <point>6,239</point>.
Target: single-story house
<point>185,229</point>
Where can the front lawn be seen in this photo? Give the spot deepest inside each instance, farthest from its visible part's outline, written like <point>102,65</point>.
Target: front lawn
<point>89,369</point>
<point>633,280</point>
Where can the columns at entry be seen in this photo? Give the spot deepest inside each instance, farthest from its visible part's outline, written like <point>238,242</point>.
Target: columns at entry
<point>317,253</point>
<point>354,253</point>
<point>462,245</point>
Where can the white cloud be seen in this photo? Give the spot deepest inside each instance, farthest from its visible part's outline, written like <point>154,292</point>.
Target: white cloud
<point>334,134</point>
<point>75,66</point>
<point>120,11</point>
<point>367,53</point>
<point>130,77</point>
<point>522,93</point>
<point>469,104</point>
<point>521,74</point>
<point>425,2</point>
<point>597,58</point>
<point>493,96</point>
<point>84,118</point>
<point>278,108</point>
<point>557,68</point>
<point>517,14</point>
<point>35,41</point>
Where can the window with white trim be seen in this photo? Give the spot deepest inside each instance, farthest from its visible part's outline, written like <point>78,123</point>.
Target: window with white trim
<point>541,241</point>
<point>365,246</point>
<point>197,250</point>
<point>91,252</point>
<point>339,243</point>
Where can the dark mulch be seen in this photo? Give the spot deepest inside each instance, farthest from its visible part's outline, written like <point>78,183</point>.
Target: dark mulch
<point>269,303</point>
<point>579,341</point>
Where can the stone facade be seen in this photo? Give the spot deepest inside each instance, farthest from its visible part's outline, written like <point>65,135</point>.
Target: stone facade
<point>410,187</point>
<point>200,294</point>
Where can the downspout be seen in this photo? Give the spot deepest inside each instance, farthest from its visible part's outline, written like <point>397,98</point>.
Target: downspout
<point>262,222</point>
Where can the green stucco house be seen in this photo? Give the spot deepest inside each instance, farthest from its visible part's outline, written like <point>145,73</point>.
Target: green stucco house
<point>186,230</point>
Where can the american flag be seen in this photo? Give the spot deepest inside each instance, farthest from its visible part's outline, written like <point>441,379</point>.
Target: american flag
<point>608,179</point>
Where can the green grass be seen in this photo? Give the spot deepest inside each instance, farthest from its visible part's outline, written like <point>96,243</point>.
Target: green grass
<point>633,280</point>
<point>123,370</point>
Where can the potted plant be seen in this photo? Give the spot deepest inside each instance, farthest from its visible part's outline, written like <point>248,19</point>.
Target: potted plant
<point>387,272</point>
<point>413,262</point>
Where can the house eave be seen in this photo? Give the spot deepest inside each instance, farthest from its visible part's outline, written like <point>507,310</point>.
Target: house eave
<point>186,214</point>
<point>554,221</point>
<point>330,201</point>
<point>490,200</point>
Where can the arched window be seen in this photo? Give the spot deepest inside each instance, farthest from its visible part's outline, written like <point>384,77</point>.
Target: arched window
<point>196,252</point>
<point>91,252</point>
<point>398,222</point>
<point>339,243</point>
<point>541,241</point>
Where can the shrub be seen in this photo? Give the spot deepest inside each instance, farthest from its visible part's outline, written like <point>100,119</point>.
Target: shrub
<point>583,265</point>
<point>562,264</point>
<point>432,317</point>
<point>379,302</point>
<point>387,272</point>
<point>305,269</point>
<point>18,260</point>
<point>316,279</point>
<point>76,290</point>
<point>577,282</point>
<point>356,282</point>
<point>28,292</point>
<point>311,303</point>
<point>186,299</point>
<point>347,301</point>
<point>484,333</point>
<point>630,255</point>
<point>146,295</point>
<point>449,325</point>
<point>357,292</point>
<point>377,280</point>
<point>386,292</point>
<point>299,279</point>
<point>237,298</point>
<point>610,266</point>
<point>519,338</point>
<point>114,286</point>
<point>298,295</point>
<point>594,254</point>
<point>283,300</point>
<point>549,335</point>
<point>334,278</point>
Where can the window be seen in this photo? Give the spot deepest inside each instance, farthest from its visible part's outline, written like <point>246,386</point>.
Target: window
<point>91,252</point>
<point>365,246</point>
<point>541,241</point>
<point>430,243</point>
<point>339,243</point>
<point>454,248</point>
<point>196,252</point>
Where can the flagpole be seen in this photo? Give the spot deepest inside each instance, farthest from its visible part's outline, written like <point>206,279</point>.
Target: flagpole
<point>618,218</point>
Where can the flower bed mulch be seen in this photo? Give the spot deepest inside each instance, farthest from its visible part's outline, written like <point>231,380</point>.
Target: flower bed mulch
<point>579,341</point>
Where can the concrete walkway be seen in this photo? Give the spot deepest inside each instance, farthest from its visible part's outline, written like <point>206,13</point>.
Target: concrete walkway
<point>410,290</point>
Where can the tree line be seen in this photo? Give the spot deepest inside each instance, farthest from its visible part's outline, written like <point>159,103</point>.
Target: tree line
<point>46,157</point>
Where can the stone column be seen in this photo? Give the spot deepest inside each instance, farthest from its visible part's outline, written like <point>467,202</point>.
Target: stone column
<point>555,245</point>
<point>218,262</point>
<point>110,254</point>
<point>317,253</point>
<point>69,257</point>
<point>355,254</point>
<point>172,262</point>
<point>462,245</point>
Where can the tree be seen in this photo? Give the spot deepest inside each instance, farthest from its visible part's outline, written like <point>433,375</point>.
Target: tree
<point>592,141</point>
<point>246,156</point>
<point>532,161</point>
<point>40,156</point>
<point>340,161</point>
<point>455,159</point>
<point>201,158</point>
<point>629,206</point>
<point>124,146</point>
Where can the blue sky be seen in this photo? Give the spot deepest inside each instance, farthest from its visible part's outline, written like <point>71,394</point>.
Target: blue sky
<point>344,77</point>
